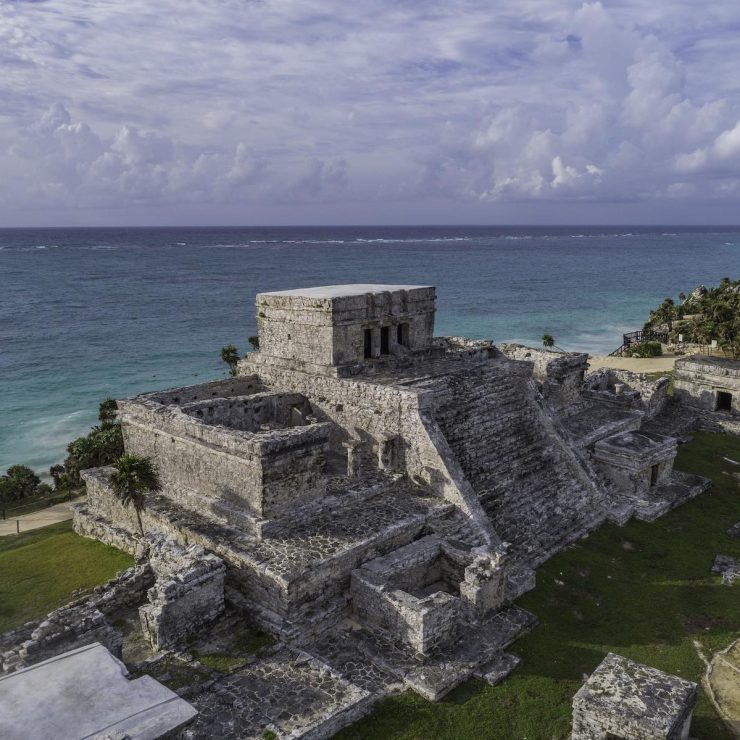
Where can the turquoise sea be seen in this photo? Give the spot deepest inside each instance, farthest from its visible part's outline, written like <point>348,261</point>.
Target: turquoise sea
<point>91,313</point>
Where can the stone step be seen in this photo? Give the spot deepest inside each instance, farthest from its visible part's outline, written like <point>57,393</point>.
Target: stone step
<point>494,672</point>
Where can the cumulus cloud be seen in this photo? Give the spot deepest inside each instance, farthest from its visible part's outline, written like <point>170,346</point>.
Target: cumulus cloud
<point>324,104</point>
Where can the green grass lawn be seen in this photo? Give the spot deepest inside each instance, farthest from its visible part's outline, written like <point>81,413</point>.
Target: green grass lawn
<point>39,570</point>
<point>643,591</point>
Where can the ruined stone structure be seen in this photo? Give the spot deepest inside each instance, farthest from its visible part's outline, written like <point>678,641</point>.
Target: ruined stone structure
<point>188,593</point>
<point>711,385</point>
<point>379,497</point>
<point>625,699</point>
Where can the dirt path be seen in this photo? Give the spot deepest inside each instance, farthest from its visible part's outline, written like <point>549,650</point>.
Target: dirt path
<point>41,518</point>
<point>635,364</point>
<point>723,681</point>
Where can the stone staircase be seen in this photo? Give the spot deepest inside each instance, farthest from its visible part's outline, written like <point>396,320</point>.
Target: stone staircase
<point>531,489</point>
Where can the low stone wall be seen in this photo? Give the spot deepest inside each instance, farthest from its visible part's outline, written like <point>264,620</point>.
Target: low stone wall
<point>79,623</point>
<point>420,594</point>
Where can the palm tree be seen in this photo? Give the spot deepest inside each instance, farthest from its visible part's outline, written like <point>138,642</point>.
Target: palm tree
<point>134,477</point>
<point>107,412</point>
<point>548,341</point>
<point>230,355</point>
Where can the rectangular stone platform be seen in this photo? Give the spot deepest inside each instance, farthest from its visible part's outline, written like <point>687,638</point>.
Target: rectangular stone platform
<point>85,693</point>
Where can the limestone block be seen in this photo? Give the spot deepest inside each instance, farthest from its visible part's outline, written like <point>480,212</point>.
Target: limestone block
<point>632,701</point>
<point>188,592</point>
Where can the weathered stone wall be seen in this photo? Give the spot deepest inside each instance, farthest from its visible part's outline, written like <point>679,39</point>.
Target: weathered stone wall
<point>383,598</point>
<point>632,390</point>
<point>368,413</point>
<point>699,379</point>
<point>328,330</point>
<point>218,470</point>
<point>188,592</point>
<point>252,413</point>
<point>243,385</point>
<point>560,373</point>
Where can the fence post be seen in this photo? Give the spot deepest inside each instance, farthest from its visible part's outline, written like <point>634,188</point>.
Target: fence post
<point>17,526</point>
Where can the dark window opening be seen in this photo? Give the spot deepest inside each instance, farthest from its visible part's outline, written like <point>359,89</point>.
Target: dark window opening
<point>654,475</point>
<point>368,343</point>
<point>724,401</point>
<point>402,334</point>
<point>384,340</point>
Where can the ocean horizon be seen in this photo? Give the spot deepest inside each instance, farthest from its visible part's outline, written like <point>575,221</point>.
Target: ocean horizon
<point>88,313</point>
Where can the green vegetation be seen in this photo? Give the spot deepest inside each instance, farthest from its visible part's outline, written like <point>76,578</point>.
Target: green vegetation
<point>133,478</point>
<point>42,569</point>
<point>20,483</point>
<point>230,355</point>
<point>646,349</point>
<point>548,341</point>
<point>102,446</point>
<point>643,591</point>
<point>703,315</point>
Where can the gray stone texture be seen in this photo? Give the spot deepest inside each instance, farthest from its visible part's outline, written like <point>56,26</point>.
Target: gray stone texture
<point>728,567</point>
<point>188,592</point>
<point>628,700</point>
<point>712,386</point>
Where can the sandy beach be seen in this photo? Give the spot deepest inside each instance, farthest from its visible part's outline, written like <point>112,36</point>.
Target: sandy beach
<point>635,364</point>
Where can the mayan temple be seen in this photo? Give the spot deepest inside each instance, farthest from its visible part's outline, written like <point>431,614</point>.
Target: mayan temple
<point>377,498</point>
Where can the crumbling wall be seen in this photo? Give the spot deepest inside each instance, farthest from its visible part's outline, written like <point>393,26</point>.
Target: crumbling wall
<point>561,374</point>
<point>633,390</point>
<point>423,623</point>
<point>77,624</point>
<point>242,385</point>
<point>188,592</point>
<point>252,413</point>
<point>698,380</point>
<point>211,469</point>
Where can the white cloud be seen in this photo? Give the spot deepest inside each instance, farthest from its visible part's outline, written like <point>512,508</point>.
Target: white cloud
<point>325,104</point>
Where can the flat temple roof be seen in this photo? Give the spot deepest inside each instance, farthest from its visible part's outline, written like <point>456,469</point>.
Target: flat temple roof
<point>345,291</point>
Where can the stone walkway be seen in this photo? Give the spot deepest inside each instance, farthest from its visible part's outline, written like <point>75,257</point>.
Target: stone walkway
<point>37,519</point>
<point>289,693</point>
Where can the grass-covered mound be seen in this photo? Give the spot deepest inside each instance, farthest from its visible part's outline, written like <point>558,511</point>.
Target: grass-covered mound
<point>40,570</point>
<point>643,591</point>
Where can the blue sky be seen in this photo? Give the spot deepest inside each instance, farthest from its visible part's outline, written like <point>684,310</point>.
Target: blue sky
<point>384,111</point>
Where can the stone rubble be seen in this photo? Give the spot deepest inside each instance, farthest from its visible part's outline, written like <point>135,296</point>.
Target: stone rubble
<point>728,567</point>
